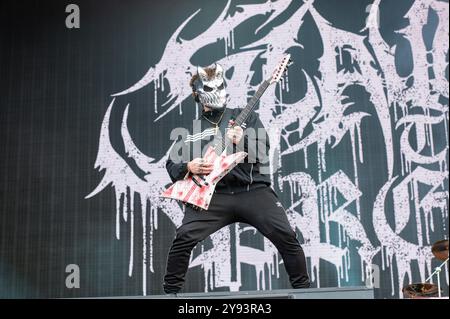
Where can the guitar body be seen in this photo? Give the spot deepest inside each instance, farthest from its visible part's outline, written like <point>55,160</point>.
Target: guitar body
<point>197,190</point>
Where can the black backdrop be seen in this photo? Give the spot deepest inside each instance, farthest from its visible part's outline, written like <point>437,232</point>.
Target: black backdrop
<point>55,87</point>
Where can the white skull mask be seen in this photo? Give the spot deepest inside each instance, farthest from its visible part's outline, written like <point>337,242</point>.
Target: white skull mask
<point>211,90</point>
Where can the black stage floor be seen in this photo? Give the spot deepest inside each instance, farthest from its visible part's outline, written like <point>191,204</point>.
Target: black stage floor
<point>311,293</point>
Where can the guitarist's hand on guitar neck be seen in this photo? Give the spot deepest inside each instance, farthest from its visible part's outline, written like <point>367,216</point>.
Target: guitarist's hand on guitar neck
<point>199,166</point>
<point>234,133</point>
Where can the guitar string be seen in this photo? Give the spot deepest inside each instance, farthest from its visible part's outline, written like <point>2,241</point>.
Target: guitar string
<point>245,113</point>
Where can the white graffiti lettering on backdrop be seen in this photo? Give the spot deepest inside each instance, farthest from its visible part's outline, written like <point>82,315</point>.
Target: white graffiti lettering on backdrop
<point>314,206</point>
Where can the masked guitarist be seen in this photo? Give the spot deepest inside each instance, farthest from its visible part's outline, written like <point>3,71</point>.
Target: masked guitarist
<point>243,195</point>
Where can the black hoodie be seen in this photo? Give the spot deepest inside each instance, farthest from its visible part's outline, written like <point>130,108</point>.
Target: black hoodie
<point>252,173</point>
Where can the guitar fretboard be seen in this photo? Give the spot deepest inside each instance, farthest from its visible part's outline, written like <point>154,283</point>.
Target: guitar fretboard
<point>242,117</point>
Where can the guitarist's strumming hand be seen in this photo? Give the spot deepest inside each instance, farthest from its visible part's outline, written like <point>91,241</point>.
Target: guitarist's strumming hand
<point>234,133</point>
<point>199,166</point>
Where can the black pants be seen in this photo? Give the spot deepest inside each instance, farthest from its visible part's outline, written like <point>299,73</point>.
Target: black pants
<point>259,208</point>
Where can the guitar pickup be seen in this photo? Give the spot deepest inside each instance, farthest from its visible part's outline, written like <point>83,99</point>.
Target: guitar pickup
<point>196,182</point>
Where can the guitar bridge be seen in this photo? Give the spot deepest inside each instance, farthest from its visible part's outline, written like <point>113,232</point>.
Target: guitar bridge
<point>196,181</point>
<point>204,180</point>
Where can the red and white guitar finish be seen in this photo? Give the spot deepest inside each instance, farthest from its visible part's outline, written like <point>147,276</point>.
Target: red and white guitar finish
<point>198,190</point>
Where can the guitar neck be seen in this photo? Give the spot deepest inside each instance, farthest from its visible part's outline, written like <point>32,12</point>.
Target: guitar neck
<point>242,117</point>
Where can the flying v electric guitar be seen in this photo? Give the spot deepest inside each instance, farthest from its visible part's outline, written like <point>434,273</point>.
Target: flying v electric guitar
<point>199,189</point>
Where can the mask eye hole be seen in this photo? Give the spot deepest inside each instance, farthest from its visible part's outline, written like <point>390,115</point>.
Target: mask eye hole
<point>207,88</point>
<point>220,87</point>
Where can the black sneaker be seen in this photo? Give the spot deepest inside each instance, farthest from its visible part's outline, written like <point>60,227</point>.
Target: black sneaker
<point>171,294</point>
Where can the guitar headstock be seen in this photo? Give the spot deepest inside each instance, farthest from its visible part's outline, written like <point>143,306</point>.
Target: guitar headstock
<point>280,69</point>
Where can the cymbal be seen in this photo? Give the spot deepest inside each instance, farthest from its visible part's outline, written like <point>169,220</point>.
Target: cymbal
<point>420,290</point>
<point>440,249</point>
